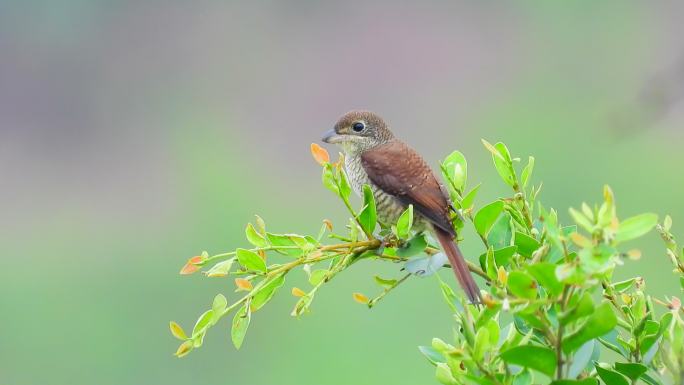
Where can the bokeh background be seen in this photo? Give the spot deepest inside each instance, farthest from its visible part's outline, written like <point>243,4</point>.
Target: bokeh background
<point>134,134</point>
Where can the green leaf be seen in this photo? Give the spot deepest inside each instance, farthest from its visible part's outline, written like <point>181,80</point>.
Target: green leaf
<point>202,323</point>
<point>570,273</point>
<point>368,216</point>
<point>255,238</point>
<point>502,257</point>
<point>385,282</point>
<point>625,285</point>
<point>581,220</point>
<point>287,242</point>
<point>504,164</point>
<point>240,325</point>
<point>523,378</point>
<point>404,223</point>
<point>491,266</point>
<point>531,319</point>
<point>610,377</point>
<point>306,243</point>
<point>526,244</point>
<point>432,354</point>
<point>218,306</point>
<point>478,380</point>
<point>582,358</point>
<point>636,226</point>
<point>502,161</point>
<point>469,198</point>
<point>329,179</point>
<point>630,370</point>
<point>317,276</point>
<point>554,234</point>
<point>455,169</point>
<point>536,358</point>
<point>443,374</point>
<point>486,319</point>
<point>527,171</point>
<point>448,295</point>
<point>545,274</point>
<point>414,246</point>
<point>494,330</point>
<point>251,260</point>
<point>586,381</point>
<point>500,234</point>
<point>522,285</point>
<point>487,216</point>
<point>482,344</point>
<point>343,185</point>
<point>610,341</point>
<point>266,292</point>
<point>650,380</point>
<point>583,308</point>
<point>602,321</point>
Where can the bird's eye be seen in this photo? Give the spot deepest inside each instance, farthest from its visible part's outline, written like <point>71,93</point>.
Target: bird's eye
<point>358,126</point>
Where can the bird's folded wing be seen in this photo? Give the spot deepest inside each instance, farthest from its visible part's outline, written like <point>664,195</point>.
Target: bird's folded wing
<point>400,171</point>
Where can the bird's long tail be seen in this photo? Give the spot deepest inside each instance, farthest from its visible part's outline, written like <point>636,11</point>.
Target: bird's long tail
<point>459,265</point>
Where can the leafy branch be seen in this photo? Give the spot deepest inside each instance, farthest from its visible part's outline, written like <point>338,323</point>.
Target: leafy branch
<point>552,309</point>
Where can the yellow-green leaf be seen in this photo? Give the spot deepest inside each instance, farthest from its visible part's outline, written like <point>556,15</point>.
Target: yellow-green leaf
<point>184,349</point>
<point>636,226</point>
<point>254,237</point>
<point>240,325</point>
<point>405,223</point>
<point>177,331</point>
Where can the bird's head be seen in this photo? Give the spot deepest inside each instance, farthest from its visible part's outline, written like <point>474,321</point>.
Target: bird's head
<point>358,131</point>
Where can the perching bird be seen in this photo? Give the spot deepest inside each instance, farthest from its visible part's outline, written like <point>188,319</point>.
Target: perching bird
<point>398,177</point>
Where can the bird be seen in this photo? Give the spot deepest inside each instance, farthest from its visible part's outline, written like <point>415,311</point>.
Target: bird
<point>398,177</point>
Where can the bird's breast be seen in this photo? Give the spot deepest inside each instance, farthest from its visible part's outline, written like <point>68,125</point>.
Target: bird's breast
<point>388,207</point>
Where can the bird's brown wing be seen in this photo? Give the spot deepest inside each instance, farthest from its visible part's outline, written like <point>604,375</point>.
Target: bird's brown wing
<point>400,171</point>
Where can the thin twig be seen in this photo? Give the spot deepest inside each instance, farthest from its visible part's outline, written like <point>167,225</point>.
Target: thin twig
<point>375,300</point>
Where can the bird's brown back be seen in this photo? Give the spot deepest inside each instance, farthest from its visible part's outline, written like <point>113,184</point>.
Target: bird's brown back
<point>400,171</point>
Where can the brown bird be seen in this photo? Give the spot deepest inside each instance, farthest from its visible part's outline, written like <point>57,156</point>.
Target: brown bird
<point>398,177</point>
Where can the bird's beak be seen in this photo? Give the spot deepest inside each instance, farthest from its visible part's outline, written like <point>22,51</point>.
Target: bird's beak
<point>332,137</point>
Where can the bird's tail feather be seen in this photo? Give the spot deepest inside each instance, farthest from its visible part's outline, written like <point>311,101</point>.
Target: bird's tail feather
<point>459,265</point>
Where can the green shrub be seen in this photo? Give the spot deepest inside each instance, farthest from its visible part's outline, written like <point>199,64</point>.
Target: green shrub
<point>552,312</point>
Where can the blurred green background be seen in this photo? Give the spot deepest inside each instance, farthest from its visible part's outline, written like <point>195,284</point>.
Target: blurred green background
<point>134,134</point>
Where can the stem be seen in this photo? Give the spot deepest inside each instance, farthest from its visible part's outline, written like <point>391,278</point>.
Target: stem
<point>256,249</point>
<point>233,306</point>
<point>369,245</point>
<point>521,196</point>
<point>356,218</point>
<point>559,337</point>
<point>667,305</point>
<point>375,300</point>
<point>624,319</point>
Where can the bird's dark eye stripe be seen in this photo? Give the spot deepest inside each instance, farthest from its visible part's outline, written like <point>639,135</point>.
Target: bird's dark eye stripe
<point>358,127</point>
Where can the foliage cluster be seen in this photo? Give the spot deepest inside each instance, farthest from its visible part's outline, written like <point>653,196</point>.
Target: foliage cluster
<point>551,311</point>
